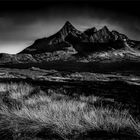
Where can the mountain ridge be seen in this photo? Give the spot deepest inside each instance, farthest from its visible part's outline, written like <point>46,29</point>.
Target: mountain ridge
<point>71,44</point>
<point>68,36</point>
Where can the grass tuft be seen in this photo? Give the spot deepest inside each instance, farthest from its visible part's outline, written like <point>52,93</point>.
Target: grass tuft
<point>28,115</point>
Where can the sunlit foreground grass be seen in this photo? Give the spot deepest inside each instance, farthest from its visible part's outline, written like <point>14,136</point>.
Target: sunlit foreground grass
<point>28,113</point>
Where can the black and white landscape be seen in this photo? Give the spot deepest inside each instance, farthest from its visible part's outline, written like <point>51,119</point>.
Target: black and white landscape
<point>72,84</point>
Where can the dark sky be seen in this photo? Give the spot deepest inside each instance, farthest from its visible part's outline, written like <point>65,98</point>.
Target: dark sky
<point>22,21</point>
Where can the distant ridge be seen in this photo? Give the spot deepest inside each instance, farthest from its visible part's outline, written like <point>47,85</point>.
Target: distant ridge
<point>92,39</point>
<point>70,44</point>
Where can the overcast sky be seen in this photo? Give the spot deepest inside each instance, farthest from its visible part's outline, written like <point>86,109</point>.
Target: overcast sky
<point>21,23</point>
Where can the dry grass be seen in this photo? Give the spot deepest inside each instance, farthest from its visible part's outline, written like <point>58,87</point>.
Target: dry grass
<point>27,113</point>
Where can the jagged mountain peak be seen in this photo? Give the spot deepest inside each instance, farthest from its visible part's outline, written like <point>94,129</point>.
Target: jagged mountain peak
<point>54,42</point>
<point>67,29</point>
<point>67,23</point>
<point>104,29</point>
<point>103,35</point>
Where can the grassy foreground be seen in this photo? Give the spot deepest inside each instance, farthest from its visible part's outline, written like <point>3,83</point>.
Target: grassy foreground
<point>27,112</point>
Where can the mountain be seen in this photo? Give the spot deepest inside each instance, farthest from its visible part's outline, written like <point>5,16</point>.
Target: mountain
<point>101,36</point>
<point>53,43</point>
<point>100,40</point>
<point>91,40</point>
<point>70,44</point>
<point>104,35</point>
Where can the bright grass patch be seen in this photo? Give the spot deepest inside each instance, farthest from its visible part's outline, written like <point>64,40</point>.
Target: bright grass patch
<point>28,113</point>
